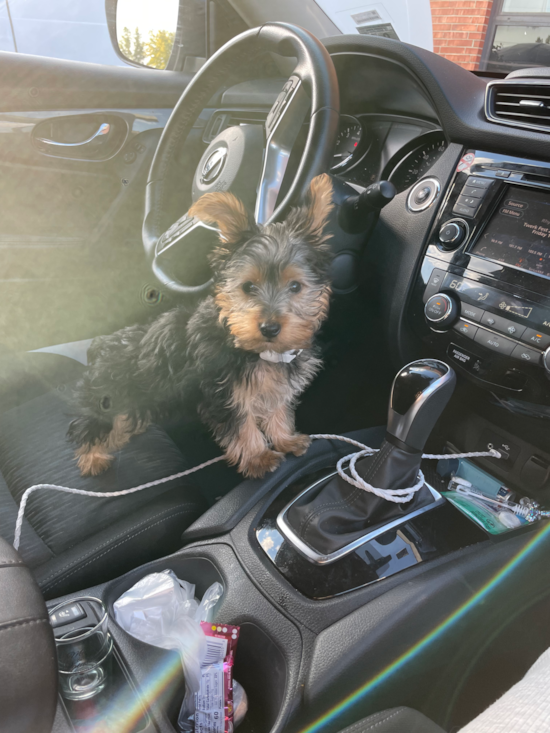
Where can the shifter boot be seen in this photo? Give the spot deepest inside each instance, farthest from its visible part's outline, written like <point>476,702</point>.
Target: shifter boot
<point>336,513</point>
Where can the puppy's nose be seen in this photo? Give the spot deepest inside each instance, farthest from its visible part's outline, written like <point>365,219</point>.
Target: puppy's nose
<point>270,329</point>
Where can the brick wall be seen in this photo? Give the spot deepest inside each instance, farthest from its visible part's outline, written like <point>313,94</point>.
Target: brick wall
<point>459,28</point>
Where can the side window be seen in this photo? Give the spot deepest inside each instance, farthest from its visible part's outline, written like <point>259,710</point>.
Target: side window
<point>161,34</point>
<point>65,29</point>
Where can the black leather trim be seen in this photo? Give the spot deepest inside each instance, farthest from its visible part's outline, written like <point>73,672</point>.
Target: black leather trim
<point>28,664</point>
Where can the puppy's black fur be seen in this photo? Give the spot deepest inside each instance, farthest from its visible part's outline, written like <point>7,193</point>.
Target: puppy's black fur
<point>265,278</point>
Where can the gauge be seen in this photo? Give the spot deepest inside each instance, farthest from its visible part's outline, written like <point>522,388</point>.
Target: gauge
<point>415,159</point>
<point>348,142</point>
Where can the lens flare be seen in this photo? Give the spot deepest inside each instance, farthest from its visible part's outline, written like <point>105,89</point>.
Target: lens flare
<point>126,709</point>
<point>420,645</point>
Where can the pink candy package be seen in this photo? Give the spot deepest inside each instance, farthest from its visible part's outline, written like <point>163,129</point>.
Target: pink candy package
<point>214,701</point>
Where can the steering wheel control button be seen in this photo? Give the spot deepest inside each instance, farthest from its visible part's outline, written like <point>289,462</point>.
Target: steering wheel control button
<point>423,194</point>
<point>67,615</point>
<point>434,284</point>
<point>466,329</point>
<point>441,310</point>
<point>451,235</point>
<point>525,354</point>
<point>535,338</point>
<point>503,325</point>
<point>472,312</point>
<point>494,342</point>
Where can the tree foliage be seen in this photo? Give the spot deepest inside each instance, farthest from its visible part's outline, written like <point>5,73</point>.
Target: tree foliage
<point>155,51</point>
<point>159,47</point>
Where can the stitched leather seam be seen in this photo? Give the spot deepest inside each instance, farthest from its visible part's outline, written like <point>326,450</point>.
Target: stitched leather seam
<point>15,624</point>
<point>48,586</point>
<point>361,729</point>
<point>12,563</point>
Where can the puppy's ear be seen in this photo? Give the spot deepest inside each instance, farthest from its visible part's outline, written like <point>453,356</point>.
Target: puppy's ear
<point>308,222</point>
<point>228,213</point>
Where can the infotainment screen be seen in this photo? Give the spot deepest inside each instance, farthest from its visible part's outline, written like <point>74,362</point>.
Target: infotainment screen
<point>518,233</point>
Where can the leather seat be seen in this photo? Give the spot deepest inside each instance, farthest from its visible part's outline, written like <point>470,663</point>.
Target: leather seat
<point>395,720</point>
<point>72,542</point>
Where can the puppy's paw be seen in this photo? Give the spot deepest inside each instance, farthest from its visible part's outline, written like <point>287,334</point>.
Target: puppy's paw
<point>92,460</point>
<point>296,444</point>
<point>258,466</point>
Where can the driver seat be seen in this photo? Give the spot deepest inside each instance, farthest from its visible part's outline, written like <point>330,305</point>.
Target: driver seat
<point>72,542</point>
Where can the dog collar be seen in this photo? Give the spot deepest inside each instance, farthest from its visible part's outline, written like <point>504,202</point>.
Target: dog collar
<point>275,358</point>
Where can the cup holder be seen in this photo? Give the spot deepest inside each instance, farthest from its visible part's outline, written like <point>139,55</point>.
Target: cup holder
<point>260,666</point>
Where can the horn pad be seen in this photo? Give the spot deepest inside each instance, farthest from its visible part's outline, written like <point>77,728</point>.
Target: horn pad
<point>232,162</point>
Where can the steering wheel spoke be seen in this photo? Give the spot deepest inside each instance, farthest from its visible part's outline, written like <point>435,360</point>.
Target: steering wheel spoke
<point>282,127</point>
<point>180,243</point>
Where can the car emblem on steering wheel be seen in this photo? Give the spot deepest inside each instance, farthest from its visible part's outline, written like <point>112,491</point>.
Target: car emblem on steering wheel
<point>213,165</point>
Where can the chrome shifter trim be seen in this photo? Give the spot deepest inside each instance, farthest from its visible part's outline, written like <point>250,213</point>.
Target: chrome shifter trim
<point>316,557</point>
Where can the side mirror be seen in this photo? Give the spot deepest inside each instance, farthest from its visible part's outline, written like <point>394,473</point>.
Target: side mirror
<point>159,34</point>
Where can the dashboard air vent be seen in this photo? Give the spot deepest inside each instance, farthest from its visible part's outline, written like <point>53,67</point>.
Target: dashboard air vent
<point>519,103</point>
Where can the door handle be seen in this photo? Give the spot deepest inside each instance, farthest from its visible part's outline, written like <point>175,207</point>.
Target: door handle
<point>103,130</point>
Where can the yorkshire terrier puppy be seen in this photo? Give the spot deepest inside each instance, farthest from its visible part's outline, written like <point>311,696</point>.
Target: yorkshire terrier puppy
<point>242,357</point>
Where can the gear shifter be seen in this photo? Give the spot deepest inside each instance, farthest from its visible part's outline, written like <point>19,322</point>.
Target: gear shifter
<point>333,513</point>
<point>420,393</point>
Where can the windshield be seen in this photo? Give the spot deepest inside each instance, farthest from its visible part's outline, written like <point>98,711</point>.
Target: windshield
<point>495,36</point>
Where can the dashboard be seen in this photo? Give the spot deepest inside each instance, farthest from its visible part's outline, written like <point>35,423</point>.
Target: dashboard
<point>374,147</point>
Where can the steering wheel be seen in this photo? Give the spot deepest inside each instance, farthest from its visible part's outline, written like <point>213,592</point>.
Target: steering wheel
<point>249,160</point>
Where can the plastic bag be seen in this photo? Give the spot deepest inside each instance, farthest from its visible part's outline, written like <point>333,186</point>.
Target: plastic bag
<point>161,610</point>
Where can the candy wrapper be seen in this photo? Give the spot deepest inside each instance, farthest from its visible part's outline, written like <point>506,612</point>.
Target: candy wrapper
<point>214,701</point>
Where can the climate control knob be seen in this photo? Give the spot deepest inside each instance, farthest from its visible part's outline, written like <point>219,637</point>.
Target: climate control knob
<point>441,310</point>
<point>451,234</point>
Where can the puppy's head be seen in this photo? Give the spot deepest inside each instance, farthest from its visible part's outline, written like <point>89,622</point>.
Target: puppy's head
<point>271,282</point>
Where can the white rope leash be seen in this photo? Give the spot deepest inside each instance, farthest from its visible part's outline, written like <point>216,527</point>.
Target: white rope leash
<point>396,495</point>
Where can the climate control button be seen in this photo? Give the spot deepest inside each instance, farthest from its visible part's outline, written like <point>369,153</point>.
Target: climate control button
<point>441,310</point>
<point>494,342</point>
<point>466,329</point>
<point>503,325</point>
<point>536,338</point>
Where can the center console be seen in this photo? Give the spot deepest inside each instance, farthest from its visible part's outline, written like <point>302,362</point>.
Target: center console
<point>482,299</point>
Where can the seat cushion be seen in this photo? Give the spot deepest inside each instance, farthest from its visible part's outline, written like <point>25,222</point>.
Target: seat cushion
<point>34,449</point>
<point>395,720</point>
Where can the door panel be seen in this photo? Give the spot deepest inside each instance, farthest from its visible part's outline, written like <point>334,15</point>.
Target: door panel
<point>72,264</point>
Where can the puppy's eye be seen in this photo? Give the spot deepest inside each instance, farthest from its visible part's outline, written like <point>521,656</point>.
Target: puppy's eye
<point>295,286</point>
<point>249,288</point>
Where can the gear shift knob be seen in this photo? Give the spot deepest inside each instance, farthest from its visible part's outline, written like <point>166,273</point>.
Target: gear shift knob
<point>420,392</point>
